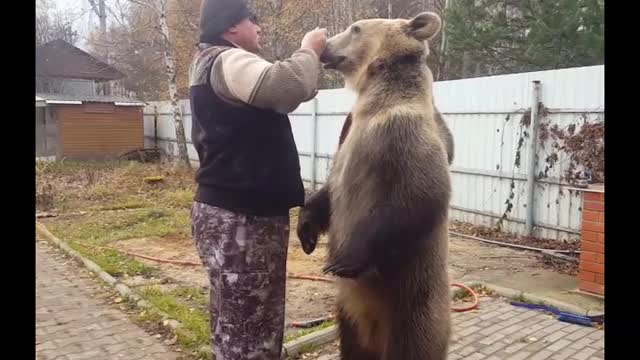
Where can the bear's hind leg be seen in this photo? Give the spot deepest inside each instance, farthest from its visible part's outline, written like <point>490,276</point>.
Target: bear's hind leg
<point>350,347</point>
<point>418,337</point>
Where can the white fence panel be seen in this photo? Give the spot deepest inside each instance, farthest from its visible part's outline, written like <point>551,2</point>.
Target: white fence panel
<point>486,118</point>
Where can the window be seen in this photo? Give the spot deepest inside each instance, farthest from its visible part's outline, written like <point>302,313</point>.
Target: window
<point>78,87</point>
<point>65,86</point>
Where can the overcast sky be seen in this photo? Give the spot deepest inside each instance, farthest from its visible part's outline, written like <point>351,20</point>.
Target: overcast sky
<point>84,19</point>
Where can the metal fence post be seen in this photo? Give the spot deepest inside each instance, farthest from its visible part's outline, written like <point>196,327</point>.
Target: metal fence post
<point>155,126</point>
<point>531,171</point>
<point>314,142</point>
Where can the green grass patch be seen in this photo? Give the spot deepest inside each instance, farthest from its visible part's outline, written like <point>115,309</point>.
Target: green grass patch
<point>180,198</point>
<point>106,227</point>
<point>308,348</point>
<point>149,316</point>
<point>113,262</point>
<point>191,294</point>
<point>523,299</point>
<point>130,202</point>
<point>520,298</point>
<point>195,331</point>
<point>460,295</point>
<point>75,185</point>
<point>65,167</point>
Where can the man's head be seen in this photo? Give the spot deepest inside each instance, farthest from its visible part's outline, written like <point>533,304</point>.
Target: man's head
<point>230,20</point>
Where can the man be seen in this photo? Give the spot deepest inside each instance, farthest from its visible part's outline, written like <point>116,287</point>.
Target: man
<point>249,175</point>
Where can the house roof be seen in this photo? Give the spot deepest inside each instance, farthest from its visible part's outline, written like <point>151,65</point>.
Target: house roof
<point>58,58</point>
<point>80,99</point>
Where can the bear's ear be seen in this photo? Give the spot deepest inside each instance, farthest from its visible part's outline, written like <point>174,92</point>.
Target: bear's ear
<point>424,26</point>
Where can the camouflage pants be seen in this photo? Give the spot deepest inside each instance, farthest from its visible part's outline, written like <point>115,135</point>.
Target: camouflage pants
<point>245,257</point>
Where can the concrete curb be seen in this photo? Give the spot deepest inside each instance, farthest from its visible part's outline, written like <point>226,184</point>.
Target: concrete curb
<point>124,291</point>
<point>588,294</point>
<point>527,297</point>
<point>316,338</point>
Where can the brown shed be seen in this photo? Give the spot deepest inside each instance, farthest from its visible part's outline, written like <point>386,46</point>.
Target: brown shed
<point>86,128</point>
<point>77,115</point>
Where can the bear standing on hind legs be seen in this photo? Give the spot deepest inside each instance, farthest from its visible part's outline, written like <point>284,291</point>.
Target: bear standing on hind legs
<point>385,205</point>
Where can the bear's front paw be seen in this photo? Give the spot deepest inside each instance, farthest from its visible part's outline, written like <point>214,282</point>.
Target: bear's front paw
<point>349,267</point>
<point>308,235</point>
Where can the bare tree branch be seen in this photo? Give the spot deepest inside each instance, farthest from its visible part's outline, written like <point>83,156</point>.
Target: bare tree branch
<point>94,6</point>
<point>147,5</point>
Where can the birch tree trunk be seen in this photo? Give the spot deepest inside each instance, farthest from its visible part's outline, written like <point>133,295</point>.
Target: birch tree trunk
<point>100,10</point>
<point>170,65</point>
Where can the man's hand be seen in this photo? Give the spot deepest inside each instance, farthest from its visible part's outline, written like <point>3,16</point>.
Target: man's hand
<point>315,40</point>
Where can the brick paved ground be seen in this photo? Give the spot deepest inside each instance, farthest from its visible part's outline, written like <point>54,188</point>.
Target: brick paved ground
<point>71,323</point>
<point>499,331</point>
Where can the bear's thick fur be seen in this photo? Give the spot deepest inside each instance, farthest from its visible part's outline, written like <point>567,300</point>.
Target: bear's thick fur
<point>385,205</point>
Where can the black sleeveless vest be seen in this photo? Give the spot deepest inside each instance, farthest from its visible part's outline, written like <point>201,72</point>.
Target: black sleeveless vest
<point>248,157</point>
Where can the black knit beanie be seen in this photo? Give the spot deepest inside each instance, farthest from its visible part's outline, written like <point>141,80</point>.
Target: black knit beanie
<point>216,16</point>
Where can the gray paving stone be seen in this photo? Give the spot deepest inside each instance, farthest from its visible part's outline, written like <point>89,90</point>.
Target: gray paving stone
<point>73,324</point>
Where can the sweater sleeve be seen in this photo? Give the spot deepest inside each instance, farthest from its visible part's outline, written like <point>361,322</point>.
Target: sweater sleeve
<point>241,76</point>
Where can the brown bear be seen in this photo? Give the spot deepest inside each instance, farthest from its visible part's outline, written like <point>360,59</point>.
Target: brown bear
<point>385,204</point>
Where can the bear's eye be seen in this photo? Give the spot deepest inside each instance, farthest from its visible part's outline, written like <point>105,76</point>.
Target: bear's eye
<point>355,29</point>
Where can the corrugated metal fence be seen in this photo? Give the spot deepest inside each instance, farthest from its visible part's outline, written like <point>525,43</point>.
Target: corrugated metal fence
<point>487,117</point>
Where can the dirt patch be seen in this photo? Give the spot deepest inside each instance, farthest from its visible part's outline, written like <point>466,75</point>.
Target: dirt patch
<point>560,266</point>
<point>469,257</point>
<point>494,234</point>
<point>305,299</point>
<point>169,248</point>
<point>544,261</point>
